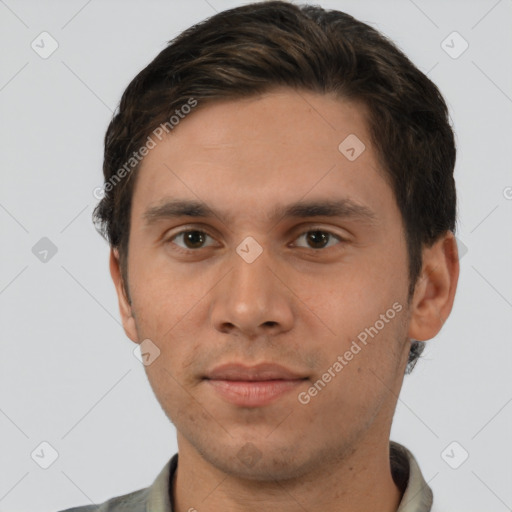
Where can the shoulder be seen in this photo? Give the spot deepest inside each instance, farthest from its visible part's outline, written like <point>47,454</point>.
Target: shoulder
<point>436,508</point>
<point>132,502</point>
<point>155,498</point>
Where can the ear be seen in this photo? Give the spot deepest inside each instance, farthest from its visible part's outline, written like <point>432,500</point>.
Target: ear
<point>125,307</point>
<point>435,289</point>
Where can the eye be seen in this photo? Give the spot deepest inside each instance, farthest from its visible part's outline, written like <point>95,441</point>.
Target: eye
<point>191,239</point>
<point>319,238</point>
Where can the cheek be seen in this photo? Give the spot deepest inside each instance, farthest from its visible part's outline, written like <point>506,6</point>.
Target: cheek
<point>162,300</point>
<point>365,340</point>
<point>349,302</point>
<point>359,377</point>
<point>170,391</point>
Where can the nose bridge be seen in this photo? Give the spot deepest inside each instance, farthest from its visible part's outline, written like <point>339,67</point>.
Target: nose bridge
<point>251,298</point>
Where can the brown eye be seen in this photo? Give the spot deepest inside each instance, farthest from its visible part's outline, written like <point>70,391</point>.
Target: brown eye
<point>318,239</point>
<point>191,239</point>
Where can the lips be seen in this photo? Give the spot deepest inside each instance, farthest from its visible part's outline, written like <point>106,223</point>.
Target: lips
<point>253,386</point>
<point>260,372</point>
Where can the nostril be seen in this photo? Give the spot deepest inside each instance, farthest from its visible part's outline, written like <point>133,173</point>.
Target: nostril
<point>227,327</point>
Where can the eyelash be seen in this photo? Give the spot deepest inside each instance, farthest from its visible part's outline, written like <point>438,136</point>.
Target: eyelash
<point>310,230</point>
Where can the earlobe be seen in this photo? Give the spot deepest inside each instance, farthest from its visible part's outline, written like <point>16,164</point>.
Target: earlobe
<point>125,307</point>
<point>435,289</point>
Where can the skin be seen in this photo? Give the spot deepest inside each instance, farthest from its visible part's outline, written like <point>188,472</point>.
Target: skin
<point>297,304</point>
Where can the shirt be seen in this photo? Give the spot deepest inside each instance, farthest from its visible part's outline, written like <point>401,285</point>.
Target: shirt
<point>417,495</point>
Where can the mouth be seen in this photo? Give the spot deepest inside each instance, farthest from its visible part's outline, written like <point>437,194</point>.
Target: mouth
<point>253,386</point>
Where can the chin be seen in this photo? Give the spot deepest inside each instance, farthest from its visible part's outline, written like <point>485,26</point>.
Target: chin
<point>257,463</point>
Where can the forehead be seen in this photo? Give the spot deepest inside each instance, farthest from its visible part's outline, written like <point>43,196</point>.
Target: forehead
<point>256,152</point>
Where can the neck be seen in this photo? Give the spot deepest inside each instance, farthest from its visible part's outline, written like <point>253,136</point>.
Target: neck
<point>358,482</point>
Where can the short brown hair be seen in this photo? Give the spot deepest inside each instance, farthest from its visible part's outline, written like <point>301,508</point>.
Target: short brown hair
<point>251,49</point>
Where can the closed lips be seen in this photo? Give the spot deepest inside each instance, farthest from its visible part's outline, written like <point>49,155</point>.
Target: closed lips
<point>261,372</point>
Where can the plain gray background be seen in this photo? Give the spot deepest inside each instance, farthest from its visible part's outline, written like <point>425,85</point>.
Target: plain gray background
<point>68,374</point>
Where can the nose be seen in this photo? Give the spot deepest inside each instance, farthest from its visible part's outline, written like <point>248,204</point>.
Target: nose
<point>253,300</point>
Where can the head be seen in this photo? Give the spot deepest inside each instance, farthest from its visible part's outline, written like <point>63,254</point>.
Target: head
<point>245,112</point>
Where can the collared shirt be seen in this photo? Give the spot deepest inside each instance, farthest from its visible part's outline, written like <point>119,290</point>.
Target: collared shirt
<point>417,495</point>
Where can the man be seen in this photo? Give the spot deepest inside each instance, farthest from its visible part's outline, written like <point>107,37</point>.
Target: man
<point>280,204</point>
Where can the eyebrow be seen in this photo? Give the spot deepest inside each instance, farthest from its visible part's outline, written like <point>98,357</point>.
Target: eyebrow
<point>342,208</point>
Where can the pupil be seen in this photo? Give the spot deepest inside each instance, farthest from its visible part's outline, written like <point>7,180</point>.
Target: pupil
<point>194,239</point>
<point>317,236</point>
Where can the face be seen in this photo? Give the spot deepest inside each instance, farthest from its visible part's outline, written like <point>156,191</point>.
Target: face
<point>259,276</point>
